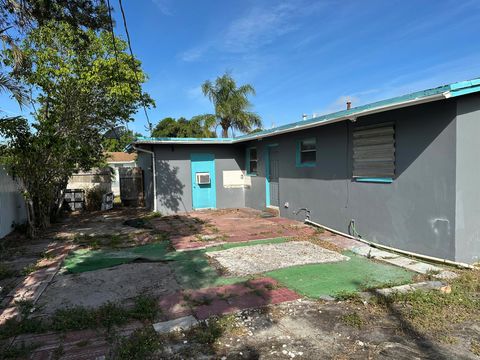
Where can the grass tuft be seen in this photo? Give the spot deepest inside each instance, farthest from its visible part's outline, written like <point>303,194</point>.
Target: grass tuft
<point>142,344</point>
<point>145,308</point>
<point>436,312</point>
<point>347,295</point>
<point>353,319</point>
<point>209,332</point>
<point>80,318</point>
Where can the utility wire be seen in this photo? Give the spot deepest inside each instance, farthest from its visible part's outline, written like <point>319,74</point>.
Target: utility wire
<point>115,52</point>
<point>149,128</point>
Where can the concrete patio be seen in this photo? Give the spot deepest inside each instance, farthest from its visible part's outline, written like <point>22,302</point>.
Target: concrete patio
<point>187,276</point>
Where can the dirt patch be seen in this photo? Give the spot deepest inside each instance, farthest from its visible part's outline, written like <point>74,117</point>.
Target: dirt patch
<point>94,288</point>
<point>257,259</point>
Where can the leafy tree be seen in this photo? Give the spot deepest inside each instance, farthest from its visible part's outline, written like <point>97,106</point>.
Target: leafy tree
<point>118,143</point>
<point>231,104</point>
<point>21,16</point>
<point>197,127</point>
<point>83,88</point>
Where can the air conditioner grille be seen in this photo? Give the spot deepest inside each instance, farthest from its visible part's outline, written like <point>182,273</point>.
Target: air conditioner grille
<point>203,178</point>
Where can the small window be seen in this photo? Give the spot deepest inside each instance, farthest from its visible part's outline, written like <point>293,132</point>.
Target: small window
<point>252,161</point>
<point>307,152</point>
<point>374,153</point>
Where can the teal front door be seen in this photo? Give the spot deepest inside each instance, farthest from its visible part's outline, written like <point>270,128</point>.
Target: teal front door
<point>203,181</point>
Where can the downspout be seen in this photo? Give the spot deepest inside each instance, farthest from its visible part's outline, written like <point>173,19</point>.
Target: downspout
<point>385,247</point>
<point>154,174</point>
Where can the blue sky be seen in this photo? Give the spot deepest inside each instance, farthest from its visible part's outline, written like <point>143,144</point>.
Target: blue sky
<point>301,56</point>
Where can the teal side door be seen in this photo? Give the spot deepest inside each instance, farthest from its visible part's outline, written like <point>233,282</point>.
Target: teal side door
<point>204,194</point>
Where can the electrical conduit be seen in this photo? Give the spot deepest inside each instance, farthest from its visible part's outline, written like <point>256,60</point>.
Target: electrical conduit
<point>385,247</point>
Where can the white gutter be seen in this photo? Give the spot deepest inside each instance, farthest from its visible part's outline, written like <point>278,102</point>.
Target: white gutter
<point>385,247</point>
<point>154,174</point>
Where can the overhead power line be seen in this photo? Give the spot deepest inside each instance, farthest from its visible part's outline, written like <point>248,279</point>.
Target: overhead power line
<point>149,128</point>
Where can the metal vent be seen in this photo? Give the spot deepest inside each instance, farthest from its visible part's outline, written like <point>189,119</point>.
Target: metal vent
<point>203,178</point>
<point>374,151</point>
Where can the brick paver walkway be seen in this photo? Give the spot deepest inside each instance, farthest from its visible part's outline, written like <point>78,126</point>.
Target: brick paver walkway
<point>209,228</point>
<point>226,299</point>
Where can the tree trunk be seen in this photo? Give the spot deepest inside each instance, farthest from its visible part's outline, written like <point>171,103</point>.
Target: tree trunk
<point>224,132</point>
<point>31,229</point>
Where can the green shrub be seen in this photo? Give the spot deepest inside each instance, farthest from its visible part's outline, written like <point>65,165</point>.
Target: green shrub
<point>93,198</point>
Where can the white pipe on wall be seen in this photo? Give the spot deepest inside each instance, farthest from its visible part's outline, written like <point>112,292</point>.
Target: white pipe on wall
<point>154,175</point>
<point>385,247</point>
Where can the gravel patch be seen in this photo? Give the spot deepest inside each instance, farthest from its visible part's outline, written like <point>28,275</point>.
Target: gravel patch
<point>248,260</point>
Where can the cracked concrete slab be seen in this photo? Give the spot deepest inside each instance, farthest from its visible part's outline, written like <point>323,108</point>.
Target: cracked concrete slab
<point>374,253</point>
<point>413,265</point>
<point>183,323</point>
<point>117,284</point>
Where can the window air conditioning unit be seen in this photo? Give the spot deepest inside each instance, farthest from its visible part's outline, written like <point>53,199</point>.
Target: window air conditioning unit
<point>203,178</point>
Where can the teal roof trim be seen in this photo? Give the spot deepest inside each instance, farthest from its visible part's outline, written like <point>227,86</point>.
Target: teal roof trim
<point>353,111</point>
<point>143,138</point>
<point>450,90</point>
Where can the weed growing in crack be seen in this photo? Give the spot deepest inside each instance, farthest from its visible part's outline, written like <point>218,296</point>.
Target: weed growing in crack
<point>140,345</point>
<point>209,332</point>
<point>27,270</point>
<point>353,319</point>
<point>107,316</point>
<point>145,308</point>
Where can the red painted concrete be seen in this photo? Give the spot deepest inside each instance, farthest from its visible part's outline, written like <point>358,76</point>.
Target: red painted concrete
<point>204,303</point>
<point>233,225</point>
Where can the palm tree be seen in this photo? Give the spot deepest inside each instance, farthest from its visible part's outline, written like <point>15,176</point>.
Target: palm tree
<point>231,104</point>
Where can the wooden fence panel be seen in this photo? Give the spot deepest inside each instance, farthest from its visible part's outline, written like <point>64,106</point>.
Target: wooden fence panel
<point>131,186</point>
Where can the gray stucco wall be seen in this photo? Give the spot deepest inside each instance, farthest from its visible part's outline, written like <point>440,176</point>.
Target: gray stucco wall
<point>467,224</point>
<point>416,212</point>
<point>174,185</point>
<point>432,207</point>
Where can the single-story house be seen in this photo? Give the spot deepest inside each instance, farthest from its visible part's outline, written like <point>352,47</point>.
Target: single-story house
<point>401,172</point>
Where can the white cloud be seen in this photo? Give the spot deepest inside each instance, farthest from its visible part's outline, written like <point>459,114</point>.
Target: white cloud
<point>259,27</point>
<point>256,28</point>
<point>193,54</point>
<point>164,6</point>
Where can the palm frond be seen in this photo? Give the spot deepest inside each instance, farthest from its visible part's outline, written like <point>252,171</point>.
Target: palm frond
<point>7,84</point>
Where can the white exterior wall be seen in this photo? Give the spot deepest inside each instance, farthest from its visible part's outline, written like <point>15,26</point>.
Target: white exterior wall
<point>12,205</point>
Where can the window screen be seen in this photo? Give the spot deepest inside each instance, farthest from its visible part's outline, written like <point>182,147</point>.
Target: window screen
<point>308,151</point>
<point>374,151</point>
<point>252,161</point>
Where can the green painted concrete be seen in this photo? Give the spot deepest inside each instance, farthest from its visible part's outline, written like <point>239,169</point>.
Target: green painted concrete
<point>347,276</point>
<point>193,271</point>
<point>89,260</point>
<point>191,268</point>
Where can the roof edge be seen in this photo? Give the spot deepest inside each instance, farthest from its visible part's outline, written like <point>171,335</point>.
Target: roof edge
<point>415,98</point>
